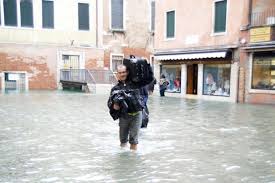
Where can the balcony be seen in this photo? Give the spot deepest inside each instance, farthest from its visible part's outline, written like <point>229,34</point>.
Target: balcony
<point>264,18</point>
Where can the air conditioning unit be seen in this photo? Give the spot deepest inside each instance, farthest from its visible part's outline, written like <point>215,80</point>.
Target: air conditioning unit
<point>270,20</point>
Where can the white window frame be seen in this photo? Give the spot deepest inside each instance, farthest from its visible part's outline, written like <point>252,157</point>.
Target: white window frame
<point>124,16</point>
<point>150,15</point>
<point>18,12</point>
<point>255,91</point>
<point>111,59</point>
<point>213,19</point>
<point>165,25</point>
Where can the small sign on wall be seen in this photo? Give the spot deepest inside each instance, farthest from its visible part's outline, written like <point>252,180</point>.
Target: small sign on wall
<point>261,34</point>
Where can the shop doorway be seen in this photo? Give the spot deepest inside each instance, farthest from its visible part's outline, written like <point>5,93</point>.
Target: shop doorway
<point>192,79</point>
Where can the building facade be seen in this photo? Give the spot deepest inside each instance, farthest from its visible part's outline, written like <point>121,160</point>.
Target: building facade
<point>128,29</point>
<point>257,58</point>
<point>38,38</point>
<point>197,47</point>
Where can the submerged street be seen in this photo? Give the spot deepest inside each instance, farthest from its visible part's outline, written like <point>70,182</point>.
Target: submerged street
<point>70,137</point>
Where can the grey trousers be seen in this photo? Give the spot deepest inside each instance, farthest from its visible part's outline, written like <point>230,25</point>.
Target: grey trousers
<point>129,126</point>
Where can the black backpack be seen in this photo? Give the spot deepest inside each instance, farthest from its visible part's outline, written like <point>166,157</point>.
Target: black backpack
<point>140,71</point>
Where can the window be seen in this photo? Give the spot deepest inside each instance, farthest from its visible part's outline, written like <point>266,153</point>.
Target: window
<point>220,16</point>
<point>173,76</point>
<point>116,61</point>
<point>26,10</point>
<point>117,14</point>
<point>170,24</point>
<point>153,15</point>
<point>71,61</point>
<point>47,14</point>
<point>10,12</point>
<point>83,16</point>
<point>216,80</point>
<point>263,72</point>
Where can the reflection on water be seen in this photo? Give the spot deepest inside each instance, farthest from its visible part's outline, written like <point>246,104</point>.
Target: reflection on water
<point>70,137</point>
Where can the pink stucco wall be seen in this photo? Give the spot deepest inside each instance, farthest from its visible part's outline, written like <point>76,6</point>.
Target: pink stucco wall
<point>194,20</point>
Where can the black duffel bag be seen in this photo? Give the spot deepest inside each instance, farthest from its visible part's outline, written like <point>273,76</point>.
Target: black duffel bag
<point>140,71</point>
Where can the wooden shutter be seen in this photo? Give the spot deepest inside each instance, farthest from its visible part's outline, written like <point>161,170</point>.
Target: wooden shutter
<point>220,16</point>
<point>117,14</point>
<point>170,31</point>
<point>83,16</point>
<point>10,12</point>
<point>48,14</point>
<point>26,10</point>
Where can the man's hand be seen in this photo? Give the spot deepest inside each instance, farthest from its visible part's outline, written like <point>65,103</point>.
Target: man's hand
<point>116,107</point>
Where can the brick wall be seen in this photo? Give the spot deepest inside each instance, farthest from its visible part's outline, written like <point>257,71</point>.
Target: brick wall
<point>139,52</point>
<point>37,67</point>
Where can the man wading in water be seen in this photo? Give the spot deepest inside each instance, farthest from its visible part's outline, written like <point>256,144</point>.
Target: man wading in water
<point>127,93</point>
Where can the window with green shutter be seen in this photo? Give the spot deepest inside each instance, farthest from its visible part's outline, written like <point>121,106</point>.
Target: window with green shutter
<point>83,16</point>
<point>220,16</point>
<point>170,24</point>
<point>47,14</point>
<point>117,14</point>
<point>10,12</point>
<point>26,10</point>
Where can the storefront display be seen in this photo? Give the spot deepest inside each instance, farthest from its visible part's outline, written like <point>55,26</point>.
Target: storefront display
<point>216,80</point>
<point>263,72</point>
<point>173,76</point>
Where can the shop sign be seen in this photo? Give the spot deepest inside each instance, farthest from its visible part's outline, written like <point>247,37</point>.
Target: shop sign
<point>261,34</point>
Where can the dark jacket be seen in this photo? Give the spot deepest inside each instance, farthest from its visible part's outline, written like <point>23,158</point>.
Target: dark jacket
<point>128,98</point>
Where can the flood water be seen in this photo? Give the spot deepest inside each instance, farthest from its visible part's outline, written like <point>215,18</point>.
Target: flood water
<point>70,137</point>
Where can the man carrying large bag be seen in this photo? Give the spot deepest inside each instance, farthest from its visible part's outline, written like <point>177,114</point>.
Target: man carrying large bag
<point>132,76</point>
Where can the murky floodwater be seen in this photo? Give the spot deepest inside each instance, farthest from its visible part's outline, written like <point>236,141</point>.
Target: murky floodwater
<point>70,137</point>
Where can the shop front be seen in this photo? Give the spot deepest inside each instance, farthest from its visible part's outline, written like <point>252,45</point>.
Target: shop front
<point>260,87</point>
<point>204,75</point>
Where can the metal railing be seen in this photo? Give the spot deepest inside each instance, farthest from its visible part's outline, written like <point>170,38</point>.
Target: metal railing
<point>104,76</point>
<point>82,76</point>
<point>263,18</point>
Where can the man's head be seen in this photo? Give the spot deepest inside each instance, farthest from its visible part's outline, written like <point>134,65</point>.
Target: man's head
<point>122,73</point>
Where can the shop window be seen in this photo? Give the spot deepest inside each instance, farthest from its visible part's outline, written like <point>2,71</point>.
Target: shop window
<point>170,24</point>
<point>26,10</point>
<point>48,14</point>
<point>117,14</point>
<point>83,16</point>
<point>216,80</point>
<point>220,16</point>
<point>263,73</point>
<point>10,12</point>
<point>173,76</point>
